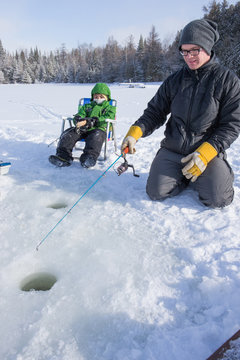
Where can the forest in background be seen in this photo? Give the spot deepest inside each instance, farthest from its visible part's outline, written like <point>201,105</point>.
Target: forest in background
<point>148,61</point>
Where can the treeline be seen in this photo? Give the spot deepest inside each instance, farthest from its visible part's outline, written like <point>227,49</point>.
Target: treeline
<point>86,64</point>
<point>149,61</point>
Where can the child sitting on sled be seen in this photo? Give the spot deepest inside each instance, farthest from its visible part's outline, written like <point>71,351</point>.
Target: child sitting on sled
<point>90,125</point>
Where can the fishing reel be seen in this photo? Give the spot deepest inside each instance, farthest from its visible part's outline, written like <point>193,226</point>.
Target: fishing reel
<point>124,167</point>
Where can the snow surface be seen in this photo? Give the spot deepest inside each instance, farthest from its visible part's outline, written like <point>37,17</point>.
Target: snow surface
<point>137,280</point>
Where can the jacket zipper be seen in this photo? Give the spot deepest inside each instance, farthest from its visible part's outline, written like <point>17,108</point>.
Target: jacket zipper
<point>190,109</point>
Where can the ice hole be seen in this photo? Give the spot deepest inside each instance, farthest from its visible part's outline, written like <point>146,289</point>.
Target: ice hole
<point>41,281</point>
<point>57,206</point>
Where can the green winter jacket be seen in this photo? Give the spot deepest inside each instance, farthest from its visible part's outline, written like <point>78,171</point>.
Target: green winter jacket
<point>102,112</point>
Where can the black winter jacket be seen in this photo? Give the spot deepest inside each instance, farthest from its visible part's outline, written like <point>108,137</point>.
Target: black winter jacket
<point>204,105</point>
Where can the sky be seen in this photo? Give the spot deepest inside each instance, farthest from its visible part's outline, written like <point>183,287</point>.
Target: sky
<point>47,24</point>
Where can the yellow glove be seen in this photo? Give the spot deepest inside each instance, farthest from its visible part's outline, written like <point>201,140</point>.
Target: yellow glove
<point>134,133</point>
<point>198,160</point>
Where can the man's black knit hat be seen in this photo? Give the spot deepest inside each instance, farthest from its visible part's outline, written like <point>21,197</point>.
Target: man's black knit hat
<point>200,32</point>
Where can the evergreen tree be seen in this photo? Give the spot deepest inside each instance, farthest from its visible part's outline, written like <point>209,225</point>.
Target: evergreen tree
<point>139,69</point>
<point>153,57</point>
<point>25,78</point>
<point>2,63</point>
<point>111,60</point>
<point>2,78</point>
<point>2,55</point>
<point>228,19</point>
<point>129,66</point>
<point>173,59</point>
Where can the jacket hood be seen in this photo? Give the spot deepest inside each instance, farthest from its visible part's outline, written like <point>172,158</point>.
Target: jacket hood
<point>101,88</point>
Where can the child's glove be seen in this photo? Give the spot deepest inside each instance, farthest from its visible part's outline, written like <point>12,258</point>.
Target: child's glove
<point>81,123</point>
<point>134,133</point>
<point>77,118</point>
<point>198,160</point>
<point>84,124</point>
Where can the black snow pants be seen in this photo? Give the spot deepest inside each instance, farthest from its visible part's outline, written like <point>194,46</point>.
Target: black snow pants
<point>214,185</point>
<point>94,140</point>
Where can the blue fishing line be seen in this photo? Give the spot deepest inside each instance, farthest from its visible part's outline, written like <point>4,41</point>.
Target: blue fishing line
<point>45,237</point>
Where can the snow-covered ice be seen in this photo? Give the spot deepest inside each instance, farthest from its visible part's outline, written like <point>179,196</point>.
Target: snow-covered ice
<point>136,279</point>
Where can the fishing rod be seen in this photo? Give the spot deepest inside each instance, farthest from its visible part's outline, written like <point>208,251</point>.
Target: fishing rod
<point>119,172</point>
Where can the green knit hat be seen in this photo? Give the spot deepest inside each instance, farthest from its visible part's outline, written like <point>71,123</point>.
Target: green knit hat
<point>202,32</point>
<point>101,88</point>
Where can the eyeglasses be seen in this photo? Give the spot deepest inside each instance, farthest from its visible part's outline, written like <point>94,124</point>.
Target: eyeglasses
<point>193,52</point>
